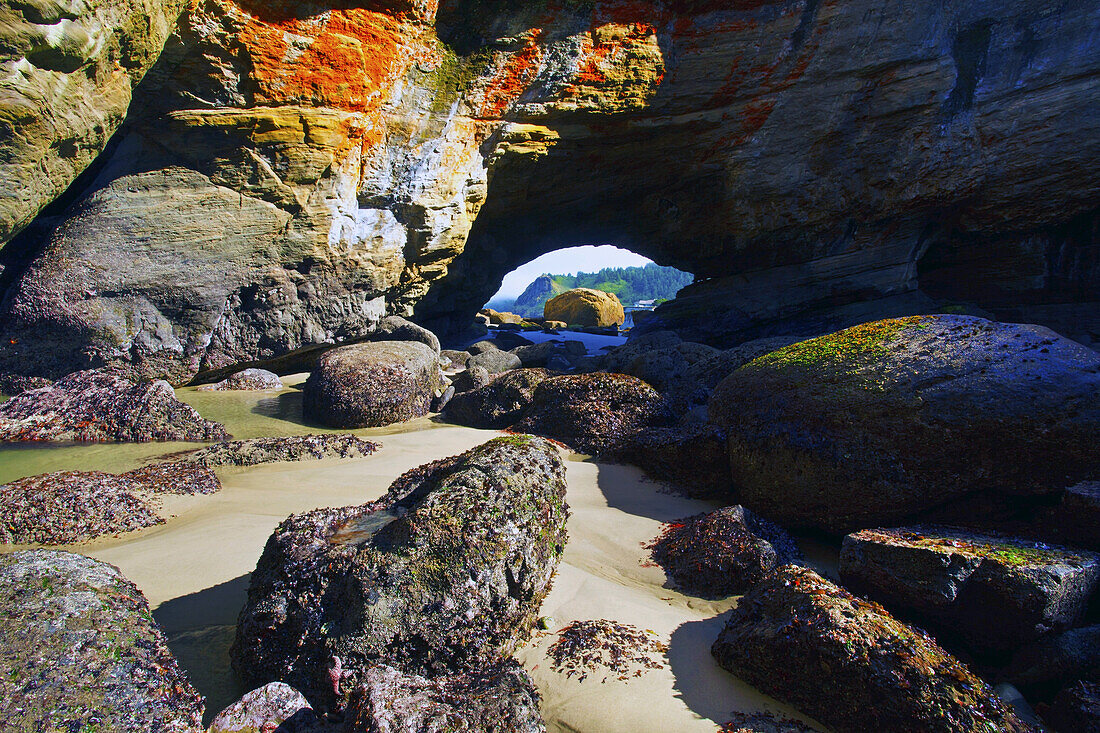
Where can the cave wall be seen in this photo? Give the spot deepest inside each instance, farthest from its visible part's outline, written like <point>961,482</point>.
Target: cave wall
<point>290,172</point>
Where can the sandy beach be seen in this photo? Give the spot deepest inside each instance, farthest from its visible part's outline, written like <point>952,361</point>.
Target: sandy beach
<point>194,569</point>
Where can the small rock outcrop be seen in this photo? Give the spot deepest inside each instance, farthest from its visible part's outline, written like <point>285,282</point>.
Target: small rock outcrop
<point>494,361</point>
<point>79,651</point>
<point>249,380</point>
<point>396,328</point>
<point>273,707</point>
<point>498,404</point>
<point>1077,518</point>
<point>442,575</point>
<point>471,378</point>
<point>692,458</point>
<point>269,450</point>
<point>585,307</point>
<point>594,413</point>
<point>99,406</point>
<point>372,384</point>
<point>996,592</point>
<point>722,553</point>
<point>498,699</point>
<point>878,423</point>
<point>1056,660</point>
<point>73,506</point>
<point>1076,709</point>
<point>851,665</point>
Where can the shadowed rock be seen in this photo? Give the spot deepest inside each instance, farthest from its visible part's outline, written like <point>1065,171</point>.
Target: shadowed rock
<point>1076,709</point>
<point>103,407</point>
<point>996,592</point>
<point>849,664</point>
<point>79,651</point>
<point>372,384</point>
<point>498,404</point>
<point>443,574</point>
<point>594,413</point>
<point>275,707</point>
<point>889,419</point>
<point>693,458</point>
<point>498,699</point>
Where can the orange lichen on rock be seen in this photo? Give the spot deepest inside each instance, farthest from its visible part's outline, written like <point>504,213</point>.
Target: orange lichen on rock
<point>512,77</point>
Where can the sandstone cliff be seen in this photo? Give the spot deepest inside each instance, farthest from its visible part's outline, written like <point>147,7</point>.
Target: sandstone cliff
<point>298,170</point>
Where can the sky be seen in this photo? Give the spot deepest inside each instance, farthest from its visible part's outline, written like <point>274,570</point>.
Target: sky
<point>567,261</point>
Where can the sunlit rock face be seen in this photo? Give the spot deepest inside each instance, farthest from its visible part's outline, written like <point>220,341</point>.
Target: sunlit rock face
<point>339,161</point>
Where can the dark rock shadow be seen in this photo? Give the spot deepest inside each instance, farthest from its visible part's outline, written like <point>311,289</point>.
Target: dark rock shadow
<point>705,688</point>
<point>626,488</point>
<point>285,406</point>
<point>200,628</point>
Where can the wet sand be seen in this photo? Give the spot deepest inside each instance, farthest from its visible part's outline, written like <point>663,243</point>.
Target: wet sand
<point>194,568</point>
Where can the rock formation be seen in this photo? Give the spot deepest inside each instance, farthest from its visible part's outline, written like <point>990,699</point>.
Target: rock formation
<point>79,651</point>
<point>292,173</point>
<point>441,576</point>
<point>103,407</point>
<point>500,403</point>
<point>266,450</point>
<point>252,380</point>
<point>585,307</point>
<point>850,664</point>
<point>273,707</point>
<point>998,593</point>
<point>372,384</point>
<point>889,419</point>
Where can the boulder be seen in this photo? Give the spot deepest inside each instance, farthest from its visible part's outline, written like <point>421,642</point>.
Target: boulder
<point>79,651</point>
<point>1056,660</point>
<point>13,384</point>
<point>558,363</point>
<point>712,369</point>
<point>444,574</point>
<point>594,413</point>
<point>481,347</point>
<point>268,450</point>
<point>372,384</point>
<point>471,378</point>
<point>506,340</point>
<point>1076,709</point>
<point>100,406</point>
<point>621,357</point>
<point>886,420</point>
<point>848,663</point>
<point>396,328</point>
<point>255,380</point>
<point>498,699</point>
<point>66,507</point>
<point>722,553</point>
<point>996,592</point>
<point>585,307</point>
<point>498,318</point>
<point>500,403</point>
<point>536,355</point>
<point>458,358</point>
<point>692,458</point>
<point>1076,520</point>
<point>273,707</point>
<point>554,326</point>
<point>494,361</point>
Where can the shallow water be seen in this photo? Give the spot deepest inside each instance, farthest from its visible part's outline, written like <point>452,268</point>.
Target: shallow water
<point>194,569</point>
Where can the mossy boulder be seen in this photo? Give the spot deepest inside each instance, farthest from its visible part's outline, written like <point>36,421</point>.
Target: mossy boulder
<point>585,307</point>
<point>79,651</point>
<point>498,699</point>
<point>995,592</point>
<point>850,664</point>
<point>100,406</point>
<point>442,575</point>
<point>881,422</point>
<point>498,404</point>
<point>594,413</point>
<point>372,384</point>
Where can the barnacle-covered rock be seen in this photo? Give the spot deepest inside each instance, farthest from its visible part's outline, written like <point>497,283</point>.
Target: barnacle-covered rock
<point>881,422</point>
<point>996,592</point>
<point>372,384</point>
<point>73,506</point>
<point>594,413</point>
<point>442,575</point>
<point>499,403</point>
<point>273,707</point>
<point>850,664</point>
<point>103,407</point>
<point>253,380</point>
<point>498,699</point>
<point>79,651</point>
<point>692,458</point>
<point>724,552</point>
<point>288,448</point>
